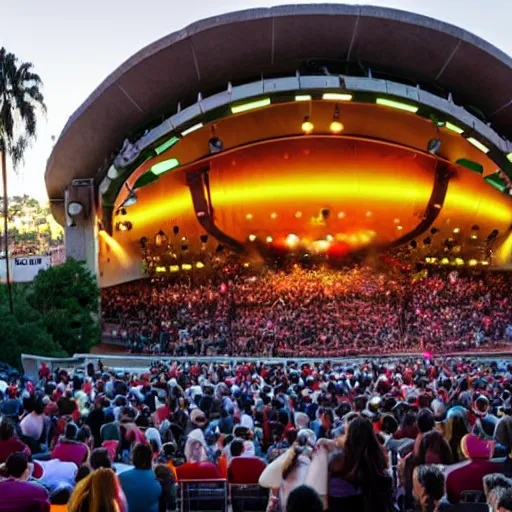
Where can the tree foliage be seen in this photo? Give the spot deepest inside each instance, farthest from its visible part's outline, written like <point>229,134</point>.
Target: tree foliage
<point>55,315</point>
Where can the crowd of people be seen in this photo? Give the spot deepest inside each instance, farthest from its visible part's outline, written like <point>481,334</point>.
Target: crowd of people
<point>397,434</point>
<point>313,312</point>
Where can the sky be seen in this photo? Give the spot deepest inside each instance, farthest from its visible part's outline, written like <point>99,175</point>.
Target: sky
<point>74,45</point>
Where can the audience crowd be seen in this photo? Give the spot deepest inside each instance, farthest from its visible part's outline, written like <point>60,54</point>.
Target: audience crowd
<point>369,435</point>
<point>313,312</point>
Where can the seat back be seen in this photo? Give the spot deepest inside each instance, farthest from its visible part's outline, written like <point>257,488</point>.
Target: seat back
<point>248,497</point>
<point>112,447</point>
<point>203,495</point>
<point>245,470</point>
<point>472,496</point>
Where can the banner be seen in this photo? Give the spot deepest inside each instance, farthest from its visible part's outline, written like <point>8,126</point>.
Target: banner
<point>24,268</point>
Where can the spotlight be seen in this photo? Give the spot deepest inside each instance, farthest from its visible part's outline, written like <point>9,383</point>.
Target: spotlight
<point>456,230</point>
<point>292,240</point>
<point>473,236</point>
<point>220,248</point>
<point>131,199</point>
<point>307,126</point>
<point>433,146</point>
<point>325,213</point>
<point>298,215</point>
<point>472,263</point>
<point>493,235</point>
<point>75,208</point>
<point>249,216</point>
<point>437,206</point>
<point>176,230</point>
<point>399,228</point>
<point>184,239</point>
<point>433,231</point>
<point>336,126</point>
<point>414,244</point>
<point>184,247</point>
<point>252,237</point>
<point>269,239</point>
<point>341,215</point>
<point>199,264</point>
<point>124,226</point>
<point>329,238</point>
<point>273,215</point>
<point>215,145</point>
<point>203,238</point>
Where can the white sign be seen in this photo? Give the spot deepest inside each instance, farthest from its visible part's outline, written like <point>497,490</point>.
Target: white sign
<point>25,268</point>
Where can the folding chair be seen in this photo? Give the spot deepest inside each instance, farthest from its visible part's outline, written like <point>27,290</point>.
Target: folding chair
<point>203,495</point>
<point>248,497</point>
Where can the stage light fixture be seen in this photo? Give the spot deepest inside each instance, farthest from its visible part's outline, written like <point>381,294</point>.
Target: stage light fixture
<point>131,199</point>
<point>303,97</point>
<point>474,236</point>
<point>336,126</point>
<point>399,228</point>
<point>298,215</point>
<point>472,263</point>
<point>75,208</point>
<point>174,268</point>
<point>396,220</point>
<point>269,239</point>
<point>176,230</point>
<point>199,264</point>
<point>166,145</point>
<point>215,145</point>
<point>307,126</point>
<point>397,104</point>
<point>341,215</point>
<point>249,216</point>
<point>164,166</point>
<point>192,129</point>
<point>478,145</point>
<point>459,261</point>
<point>237,109</point>
<point>509,157</point>
<point>124,226</point>
<point>454,128</point>
<point>484,262</point>
<point>186,266</point>
<point>273,215</point>
<point>329,238</point>
<point>445,261</point>
<point>203,238</point>
<point>252,237</point>
<point>335,96</point>
<point>368,214</point>
<point>437,206</point>
<point>456,230</point>
<point>433,146</point>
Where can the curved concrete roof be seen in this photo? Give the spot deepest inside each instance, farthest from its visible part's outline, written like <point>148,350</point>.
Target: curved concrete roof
<point>236,47</point>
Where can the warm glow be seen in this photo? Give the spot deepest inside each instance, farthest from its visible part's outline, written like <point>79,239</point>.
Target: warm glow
<point>186,266</point>
<point>341,215</point>
<point>269,239</point>
<point>298,215</point>
<point>273,215</point>
<point>504,253</point>
<point>199,264</point>
<point>307,126</point>
<point>292,240</point>
<point>456,230</point>
<point>445,261</point>
<point>472,263</point>
<point>117,249</point>
<point>249,216</point>
<point>336,127</point>
<point>252,237</point>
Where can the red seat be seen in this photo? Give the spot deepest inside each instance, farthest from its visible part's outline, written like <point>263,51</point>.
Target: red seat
<point>245,470</point>
<point>197,471</point>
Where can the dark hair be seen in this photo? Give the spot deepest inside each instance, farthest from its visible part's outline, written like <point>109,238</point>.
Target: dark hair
<point>388,424</point>
<point>431,478</point>
<point>71,431</point>
<point>505,500</point>
<point>304,498</point>
<point>434,441</point>
<point>16,464</point>
<point>236,447</point>
<point>456,428</point>
<point>425,420</point>
<point>100,458</point>
<point>61,495</point>
<point>363,458</point>
<point>6,429</point>
<point>166,478</point>
<point>496,480</point>
<point>142,456</point>
<point>82,472</point>
<point>83,434</point>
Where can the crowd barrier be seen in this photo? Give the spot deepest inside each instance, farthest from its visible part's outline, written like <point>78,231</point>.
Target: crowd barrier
<point>127,362</point>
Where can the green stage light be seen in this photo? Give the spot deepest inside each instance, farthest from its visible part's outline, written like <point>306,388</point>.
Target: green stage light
<point>335,96</point>
<point>509,157</point>
<point>398,105</point>
<point>166,145</point>
<point>164,166</point>
<point>264,102</point>
<point>453,127</point>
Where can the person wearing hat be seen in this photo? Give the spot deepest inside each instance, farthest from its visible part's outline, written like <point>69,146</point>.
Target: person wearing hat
<point>16,493</point>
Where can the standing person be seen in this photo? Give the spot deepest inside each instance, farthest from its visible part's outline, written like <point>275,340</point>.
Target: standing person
<point>359,476</point>
<point>141,487</point>
<point>16,493</point>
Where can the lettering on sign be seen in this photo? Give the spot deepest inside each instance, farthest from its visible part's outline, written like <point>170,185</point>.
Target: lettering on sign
<point>26,261</point>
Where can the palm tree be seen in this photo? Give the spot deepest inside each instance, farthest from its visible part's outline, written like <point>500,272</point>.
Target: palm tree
<point>20,101</point>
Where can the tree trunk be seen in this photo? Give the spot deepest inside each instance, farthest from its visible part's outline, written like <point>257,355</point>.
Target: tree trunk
<point>6,232</point>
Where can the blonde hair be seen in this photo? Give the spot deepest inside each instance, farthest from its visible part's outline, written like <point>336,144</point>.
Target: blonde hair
<point>95,493</point>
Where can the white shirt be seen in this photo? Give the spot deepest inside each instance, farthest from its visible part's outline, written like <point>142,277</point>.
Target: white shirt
<point>57,473</point>
<point>32,425</point>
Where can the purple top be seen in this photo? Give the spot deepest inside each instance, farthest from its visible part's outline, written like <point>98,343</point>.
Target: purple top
<point>18,496</point>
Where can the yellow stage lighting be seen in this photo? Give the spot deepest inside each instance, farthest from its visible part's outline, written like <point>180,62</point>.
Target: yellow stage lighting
<point>307,126</point>
<point>336,127</point>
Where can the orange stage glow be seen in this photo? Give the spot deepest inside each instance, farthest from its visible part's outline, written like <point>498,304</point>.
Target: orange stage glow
<point>121,255</point>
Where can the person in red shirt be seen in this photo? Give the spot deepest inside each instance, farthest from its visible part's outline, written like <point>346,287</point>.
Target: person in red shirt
<point>9,443</point>
<point>69,450</point>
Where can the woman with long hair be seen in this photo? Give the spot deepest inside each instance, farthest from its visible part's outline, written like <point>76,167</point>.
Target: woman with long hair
<point>456,427</point>
<point>96,493</point>
<point>359,478</point>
